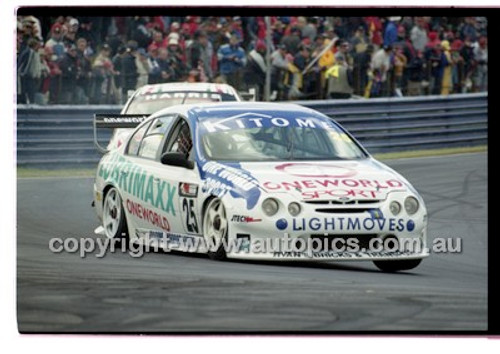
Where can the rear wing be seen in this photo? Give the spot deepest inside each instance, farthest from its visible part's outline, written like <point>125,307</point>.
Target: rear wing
<point>250,95</point>
<point>114,121</point>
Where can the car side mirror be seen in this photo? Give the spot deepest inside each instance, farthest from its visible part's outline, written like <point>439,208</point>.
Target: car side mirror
<point>176,159</point>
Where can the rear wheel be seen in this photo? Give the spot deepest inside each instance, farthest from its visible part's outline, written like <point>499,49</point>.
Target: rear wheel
<point>215,229</point>
<point>395,266</point>
<point>113,216</point>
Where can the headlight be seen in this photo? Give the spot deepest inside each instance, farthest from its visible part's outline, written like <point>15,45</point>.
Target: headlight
<point>270,206</point>
<point>294,208</point>
<point>411,205</point>
<point>395,208</point>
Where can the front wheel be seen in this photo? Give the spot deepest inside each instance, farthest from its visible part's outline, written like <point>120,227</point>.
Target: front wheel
<point>113,216</point>
<point>395,266</point>
<point>215,229</point>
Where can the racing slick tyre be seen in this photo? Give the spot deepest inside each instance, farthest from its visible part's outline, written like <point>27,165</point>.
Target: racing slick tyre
<point>215,229</point>
<point>394,266</point>
<point>113,216</point>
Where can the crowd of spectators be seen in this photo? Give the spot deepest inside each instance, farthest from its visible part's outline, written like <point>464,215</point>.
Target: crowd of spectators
<point>98,60</point>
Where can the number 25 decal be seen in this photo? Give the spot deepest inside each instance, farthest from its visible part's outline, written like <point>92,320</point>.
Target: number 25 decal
<point>188,208</point>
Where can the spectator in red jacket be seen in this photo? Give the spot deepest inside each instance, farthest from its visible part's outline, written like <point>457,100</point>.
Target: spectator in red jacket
<point>374,26</point>
<point>158,39</point>
<point>53,82</point>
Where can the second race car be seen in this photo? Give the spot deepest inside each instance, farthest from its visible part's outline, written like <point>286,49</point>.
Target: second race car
<point>151,98</point>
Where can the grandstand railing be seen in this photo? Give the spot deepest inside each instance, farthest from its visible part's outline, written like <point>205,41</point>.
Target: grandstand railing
<point>62,136</point>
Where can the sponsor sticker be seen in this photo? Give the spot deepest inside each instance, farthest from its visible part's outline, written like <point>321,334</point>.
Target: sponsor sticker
<point>219,179</point>
<point>377,224</point>
<point>144,213</point>
<point>259,120</point>
<point>188,189</point>
<point>189,208</point>
<point>123,121</point>
<point>344,254</point>
<point>137,182</point>
<point>244,219</point>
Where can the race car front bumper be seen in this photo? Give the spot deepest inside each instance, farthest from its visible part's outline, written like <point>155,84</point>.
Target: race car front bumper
<point>326,234</point>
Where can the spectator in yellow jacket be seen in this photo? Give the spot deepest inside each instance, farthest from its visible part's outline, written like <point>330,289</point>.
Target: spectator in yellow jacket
<point>325,62</point>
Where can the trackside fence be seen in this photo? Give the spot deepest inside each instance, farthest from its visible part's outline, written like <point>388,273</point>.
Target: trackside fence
<point>62,136</point>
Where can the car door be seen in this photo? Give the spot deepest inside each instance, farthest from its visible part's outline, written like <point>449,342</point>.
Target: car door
<point>149,199</point>
<point>169,202</point>
<point>187,179</point>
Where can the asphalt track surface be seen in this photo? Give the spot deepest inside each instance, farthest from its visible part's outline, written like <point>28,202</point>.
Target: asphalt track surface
<point>166,292</point>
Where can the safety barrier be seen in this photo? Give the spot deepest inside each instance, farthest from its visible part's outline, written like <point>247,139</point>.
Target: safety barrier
<point>62,136</point>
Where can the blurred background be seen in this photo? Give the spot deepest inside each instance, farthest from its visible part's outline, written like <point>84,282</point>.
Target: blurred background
<point>97,60</point>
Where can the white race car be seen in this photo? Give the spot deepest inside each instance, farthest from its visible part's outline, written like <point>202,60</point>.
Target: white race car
<point>151,98</point>
<point>262,181</point>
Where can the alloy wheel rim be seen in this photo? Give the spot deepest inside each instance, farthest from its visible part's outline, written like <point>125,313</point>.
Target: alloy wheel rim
<point>112,213</point>
<point>215,225</point>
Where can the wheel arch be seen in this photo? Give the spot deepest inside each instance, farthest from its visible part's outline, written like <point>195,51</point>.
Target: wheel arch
<point>220,253</point>
<point>204,206</point>
<point>105,191</point>
<point>126,220</point>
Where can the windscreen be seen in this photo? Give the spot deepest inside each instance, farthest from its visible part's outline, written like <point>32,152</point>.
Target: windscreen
<point>275,143</point>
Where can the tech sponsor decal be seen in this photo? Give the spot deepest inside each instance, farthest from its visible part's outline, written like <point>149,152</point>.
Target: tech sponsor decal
<point>326,224</point>
<point>137,182</point>
<point>244,219</point>
<point>220,179</point>
<point>144,213</point>
<point>189,213</point>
